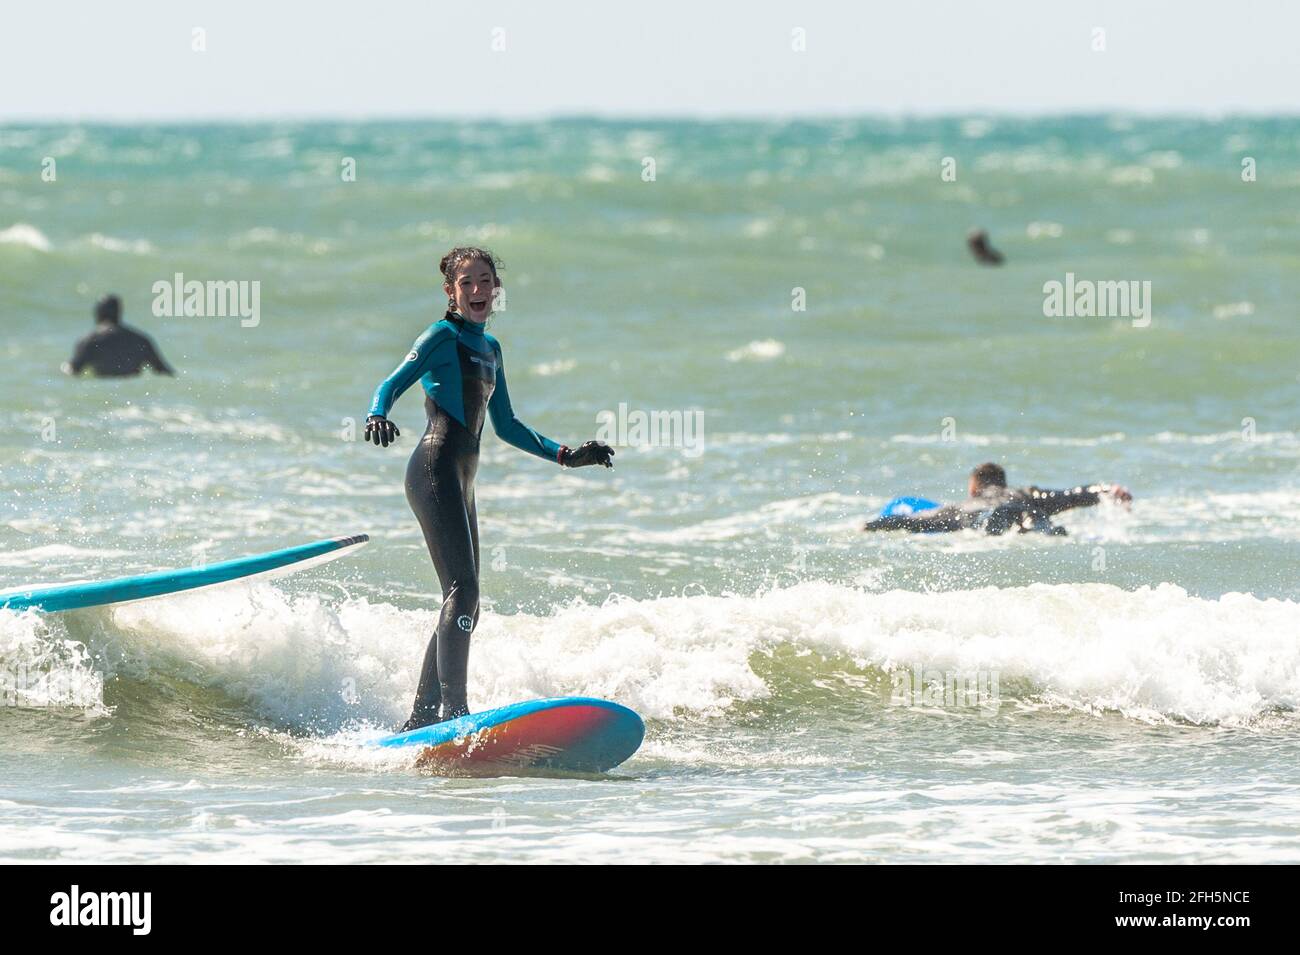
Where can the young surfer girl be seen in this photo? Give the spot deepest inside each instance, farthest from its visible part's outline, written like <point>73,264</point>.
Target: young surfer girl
<point>460,366</point>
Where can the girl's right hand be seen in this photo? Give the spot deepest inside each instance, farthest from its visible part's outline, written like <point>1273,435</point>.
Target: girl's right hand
<point>380,430</point>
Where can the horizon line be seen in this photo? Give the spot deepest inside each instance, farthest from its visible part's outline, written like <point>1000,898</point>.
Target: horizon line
<point>167,119</point>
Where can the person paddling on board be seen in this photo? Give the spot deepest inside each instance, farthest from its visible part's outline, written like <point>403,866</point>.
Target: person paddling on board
<point>464,381</point>
<point>995,508</point>
<point>114,350</point>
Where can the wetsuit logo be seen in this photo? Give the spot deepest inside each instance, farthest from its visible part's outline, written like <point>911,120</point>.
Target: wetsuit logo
<point>413,355</point>
<point>465,622</point>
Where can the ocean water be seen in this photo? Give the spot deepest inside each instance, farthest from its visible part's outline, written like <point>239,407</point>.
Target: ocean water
<point>1136,682</point>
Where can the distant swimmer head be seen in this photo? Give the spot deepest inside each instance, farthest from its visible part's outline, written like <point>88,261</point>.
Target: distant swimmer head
<point>987,475</point>
<point>470,280</point>
<point>108,309</point>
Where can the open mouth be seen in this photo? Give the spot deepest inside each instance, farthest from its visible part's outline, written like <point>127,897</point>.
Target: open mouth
<point>478,306</point>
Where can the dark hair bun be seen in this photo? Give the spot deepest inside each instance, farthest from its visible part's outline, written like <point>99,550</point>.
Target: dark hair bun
<point>466,253</point>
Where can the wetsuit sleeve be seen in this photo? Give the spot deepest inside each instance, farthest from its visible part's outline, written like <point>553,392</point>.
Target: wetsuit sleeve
<point>417,362</point>
<point>1051,502</point>
<point>940,520</point>
<point>509,428</point>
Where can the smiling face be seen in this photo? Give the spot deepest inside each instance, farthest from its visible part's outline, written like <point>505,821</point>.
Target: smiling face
<point>471,289</point>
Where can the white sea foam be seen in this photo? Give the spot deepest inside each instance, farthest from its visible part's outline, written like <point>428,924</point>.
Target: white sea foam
<point>130,246</point>
<point>41,666</point>
<point>1152,654</point>
<point>23,234</point>
<point>765,349</point>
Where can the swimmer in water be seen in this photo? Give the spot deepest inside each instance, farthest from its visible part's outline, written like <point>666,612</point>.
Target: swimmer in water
<point>464,381</point>
<point>977,240</point>
<point>114,350</point>
<point>995,508</point>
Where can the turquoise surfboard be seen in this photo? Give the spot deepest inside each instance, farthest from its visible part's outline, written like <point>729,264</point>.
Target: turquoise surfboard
<point>74,596</point>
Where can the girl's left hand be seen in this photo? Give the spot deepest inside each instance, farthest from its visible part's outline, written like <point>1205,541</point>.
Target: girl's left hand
<point>592,452</point>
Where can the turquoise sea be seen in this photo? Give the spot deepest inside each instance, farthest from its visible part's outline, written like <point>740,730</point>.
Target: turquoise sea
<point>798,291</point>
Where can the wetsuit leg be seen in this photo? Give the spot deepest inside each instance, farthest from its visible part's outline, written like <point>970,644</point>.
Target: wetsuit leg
<point>440,490</point>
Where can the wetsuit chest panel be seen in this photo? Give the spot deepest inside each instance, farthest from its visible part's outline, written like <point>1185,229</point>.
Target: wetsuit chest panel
<point>460,368</point>
<point>478,376</point>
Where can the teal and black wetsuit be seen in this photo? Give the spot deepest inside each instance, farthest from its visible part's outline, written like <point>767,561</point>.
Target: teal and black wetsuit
<point>464,381</point>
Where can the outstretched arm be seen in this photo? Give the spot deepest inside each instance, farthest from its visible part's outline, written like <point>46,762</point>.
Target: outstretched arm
<point>416,363</point>
<point>1051,502</point>
<point>418,360</point>
<point>510,429</point>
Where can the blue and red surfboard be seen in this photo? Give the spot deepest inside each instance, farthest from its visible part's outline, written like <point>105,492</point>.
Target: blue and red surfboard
<point>576,733</point>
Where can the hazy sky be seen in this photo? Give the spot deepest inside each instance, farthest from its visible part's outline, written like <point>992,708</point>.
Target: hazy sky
<point>94,59</point>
